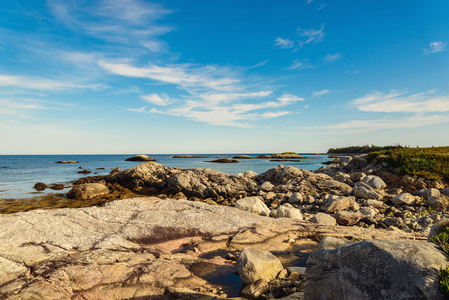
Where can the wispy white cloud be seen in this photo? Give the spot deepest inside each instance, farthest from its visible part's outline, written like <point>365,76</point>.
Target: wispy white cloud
<point>435,47</point>
<point>397,101</point>
<point>161,100</point>
<point>184,75</point>
<point>19,106</point>
<point>44,84</point>
<point>119,21</point>
<point>311,35</point>
<point>318,94</point>
<point>283,43</point>
<point>322,6</point>
<point>309,1</point>
<point>332,57</point>
<point>300,64</point>
<point>359,126</point>
<point>261,64</point>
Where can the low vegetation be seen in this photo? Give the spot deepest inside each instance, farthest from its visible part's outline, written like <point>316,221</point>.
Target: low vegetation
<point>442,239</point>
<point>363,149</point>
<point>288,153</point>
<point>432,162</point>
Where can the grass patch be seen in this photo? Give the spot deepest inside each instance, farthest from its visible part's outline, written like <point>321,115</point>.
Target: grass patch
<point>288,153</point>
<point>431,162</point>
<point>442,239</point>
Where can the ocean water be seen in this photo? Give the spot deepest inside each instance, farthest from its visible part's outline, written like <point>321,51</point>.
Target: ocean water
<point>19,173</point>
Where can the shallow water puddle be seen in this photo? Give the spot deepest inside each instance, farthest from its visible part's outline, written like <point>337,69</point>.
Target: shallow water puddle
<point>229,280</point>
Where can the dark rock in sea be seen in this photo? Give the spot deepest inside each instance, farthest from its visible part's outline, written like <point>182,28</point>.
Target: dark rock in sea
<point>292,160</point>
<point>187,156</point>
<point>84,172</point>
<point>243,157</point>
<point>100,168</point>
<point>80,167</point>
<point>225,161</point>
<point>40,186</point>
<point>115,170</point>
<point>57,186</point>
<point>281,156</point>
<point>67,162</point>
<point>140,157</point>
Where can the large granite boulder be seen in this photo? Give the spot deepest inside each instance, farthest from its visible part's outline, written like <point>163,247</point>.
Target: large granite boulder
<point>87,191</point>
<point>336,203</point>
<point>254,205</point>
<point>374,181</point>
<point>254,263</point>
<point>375,269</point>
<point>287,211</point>
<point>152,178</point>
<point>364,191</point>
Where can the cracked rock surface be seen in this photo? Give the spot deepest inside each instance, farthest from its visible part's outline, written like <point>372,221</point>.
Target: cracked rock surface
<point>144,248</point>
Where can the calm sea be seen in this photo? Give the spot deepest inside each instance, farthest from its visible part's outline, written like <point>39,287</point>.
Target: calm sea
<point>19,173</point>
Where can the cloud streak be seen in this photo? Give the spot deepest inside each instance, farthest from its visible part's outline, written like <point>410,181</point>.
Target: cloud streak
<point>284,43</point>
<point>43,84</point>
<point>396,101</point>
<point>435,47</point>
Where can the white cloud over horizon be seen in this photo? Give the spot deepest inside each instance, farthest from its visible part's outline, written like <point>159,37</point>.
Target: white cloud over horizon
<point>361,126</point>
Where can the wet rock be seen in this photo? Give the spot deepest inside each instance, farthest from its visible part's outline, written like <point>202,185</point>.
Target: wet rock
<point>57,186</point>
<point>87,191</point>
<point>408,270</point>
<point>325,219</point>
<point>243,157</point>
<point>140,157</point>
<point>67,162</point>
<point>254,263</point>
<point>40,186</point>
<point>114,171</point>
<point>404,199</point>
<point>254,205</point>
<point>84,172</point>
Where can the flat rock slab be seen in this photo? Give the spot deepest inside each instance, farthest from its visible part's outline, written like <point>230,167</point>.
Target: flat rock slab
<point>139,247</point>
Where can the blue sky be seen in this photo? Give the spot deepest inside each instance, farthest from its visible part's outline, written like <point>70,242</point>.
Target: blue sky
<point>221,76</point>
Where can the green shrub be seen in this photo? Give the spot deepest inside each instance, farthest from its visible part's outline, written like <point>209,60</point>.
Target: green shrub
<point>442,239</point>
<point>431,163</point>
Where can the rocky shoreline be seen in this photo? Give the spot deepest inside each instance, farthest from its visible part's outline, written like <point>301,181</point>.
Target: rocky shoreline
<point>197,223</point>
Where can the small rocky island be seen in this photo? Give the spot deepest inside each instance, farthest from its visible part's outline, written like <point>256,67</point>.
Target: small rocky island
<point>287,233</point>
